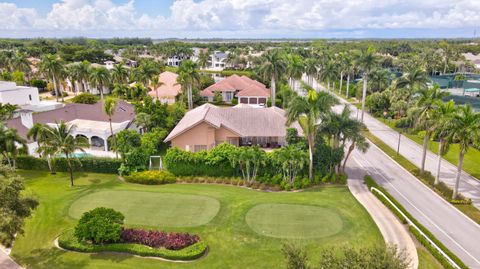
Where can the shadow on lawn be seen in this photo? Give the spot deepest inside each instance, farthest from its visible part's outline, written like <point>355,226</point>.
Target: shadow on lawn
<point>112,257</point>
<point>52,258</point>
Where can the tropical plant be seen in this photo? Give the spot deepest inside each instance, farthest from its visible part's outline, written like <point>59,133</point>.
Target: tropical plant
<point>273,67</point>
<point>143,120</point>
<point>366,60</point>
<point>442,130</point>
<point>412,80</point>
<point>328,73</point>
<point>308,111</point>
<point>291,160</point>
<point>51,67</point>
<point>10,144</point>
<point>465,126</point>
<point>38,133</point>
<point>249,159</point>
<point>99,78</point>
<point>203,59</point>
<point>109,107</point>
<point>62,142</point>
<point>295,68</point>
<point>119,74</point>
<point>188,77</point>
<point>155,83</point>
<point>100,225</point>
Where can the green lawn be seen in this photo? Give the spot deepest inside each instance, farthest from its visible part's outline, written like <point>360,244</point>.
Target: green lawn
<point>219,214</point>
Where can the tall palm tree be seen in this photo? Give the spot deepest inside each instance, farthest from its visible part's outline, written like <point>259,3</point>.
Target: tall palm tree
<point>328,73</point>
<point>443,128</point>
<point>99,78</point>
<point>155,83</point>
<point>51,67</point>
<point>119,74</point>
<point>145,72</point>
<point>311,70</point>
<point>429,100</point>
<point>367,61</point>
<point>448,53</point>
<point>21,63</point>
<point>414,78</point>
<point>74,74</point>
<point>109,107</point>
<point>273,67</point>
<point>295,68</point>
<point>465,132</point>
<point>10,142</point>
<point>39,134</point>
<point>84,74</point>
<point>188,77</point>
<point>380,79</point>
<point>203,59</point>
<point>62,141</point>
<point>308,111</point>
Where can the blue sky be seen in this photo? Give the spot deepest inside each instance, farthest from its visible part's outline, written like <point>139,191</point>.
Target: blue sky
<point>240,18</point>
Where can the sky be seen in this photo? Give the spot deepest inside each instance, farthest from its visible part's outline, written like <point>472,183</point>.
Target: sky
<point>240,18</point>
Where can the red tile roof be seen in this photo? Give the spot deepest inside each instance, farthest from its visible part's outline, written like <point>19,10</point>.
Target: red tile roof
<point>239,84</point>
<point>170,87</point>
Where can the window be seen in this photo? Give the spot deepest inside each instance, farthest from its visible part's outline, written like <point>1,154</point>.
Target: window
<point>30,97</point>
<point>199,147</point>
<point>228,96</point>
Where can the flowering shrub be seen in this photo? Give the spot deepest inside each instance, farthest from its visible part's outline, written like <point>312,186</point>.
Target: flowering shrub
<point>151,177</point>
<point>158,239</point>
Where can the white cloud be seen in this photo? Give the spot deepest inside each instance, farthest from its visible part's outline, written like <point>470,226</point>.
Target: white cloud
<point>244,16</point>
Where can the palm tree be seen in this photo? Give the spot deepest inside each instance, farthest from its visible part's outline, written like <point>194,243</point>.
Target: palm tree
<point>448,54</point>
<point>308,111</point>
<point>188,77</point>
<point>21,63</point>
<point>61,140</point>
<point>311,70</point>
<point>465,125</point>
<point>380,79</point>
<point>143,120</point>
<point>295,68</point>
<point>203,59</point>
<point>328,72</point>
<point>428,101</point>
<point>366,60</point>
<point>145,72</point>
<point>51,67</point>
<point>10,141</point>
<point>155,83</point>
<point>414,78</point>
<point>84,73</point>
<point>119,74</point>
<point>39,134</point>
<point>443,128</point>
<point>74,74</point>
<point>273,67</point>
<point>109,107</point>
<point>99,78</point>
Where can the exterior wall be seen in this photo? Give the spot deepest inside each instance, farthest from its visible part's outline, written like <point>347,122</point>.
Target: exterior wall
<point>202,134</point>
<point>167,100</point>
<point>22,96</point>
<point>224,135</point>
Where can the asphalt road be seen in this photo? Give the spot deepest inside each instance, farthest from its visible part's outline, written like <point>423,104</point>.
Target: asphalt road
<point>456,231</point>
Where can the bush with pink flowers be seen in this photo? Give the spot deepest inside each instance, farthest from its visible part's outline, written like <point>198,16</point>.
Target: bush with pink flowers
<point>158,239</point>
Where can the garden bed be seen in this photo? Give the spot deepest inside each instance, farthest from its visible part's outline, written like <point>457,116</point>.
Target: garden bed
<point>68,241</point>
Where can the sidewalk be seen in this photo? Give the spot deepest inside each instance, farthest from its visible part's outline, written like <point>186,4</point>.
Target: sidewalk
<point>6,262</point>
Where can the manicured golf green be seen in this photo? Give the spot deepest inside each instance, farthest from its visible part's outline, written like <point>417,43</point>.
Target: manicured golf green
<point>227,218</point>
<point>293,221</point>
<point>150,208</point>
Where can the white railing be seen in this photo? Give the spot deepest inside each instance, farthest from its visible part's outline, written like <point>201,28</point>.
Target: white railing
<point>410,223</point>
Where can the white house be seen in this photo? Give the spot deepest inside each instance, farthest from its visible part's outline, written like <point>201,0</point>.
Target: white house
<point>109,65</point>
<point>176,60</point>
<point>24,97</point>
<point>219,60</point>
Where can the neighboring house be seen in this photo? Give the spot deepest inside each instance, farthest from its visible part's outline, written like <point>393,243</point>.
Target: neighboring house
<point>247,90</point>
<point>474,59</point>
<point>167,92</point>
<point>24,97</point>
<point>109,65</point>
<point>206,126</point>
<point>196,53</point>
<point>219,60</point>
<point>176,60</point>
<point>90,121</point>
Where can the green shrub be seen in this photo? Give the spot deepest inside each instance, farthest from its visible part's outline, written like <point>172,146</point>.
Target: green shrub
<point>82,164</point>
<point>68,241</point>
<point>85,98</point>
<point>100,225</point>
<point>151,177</point>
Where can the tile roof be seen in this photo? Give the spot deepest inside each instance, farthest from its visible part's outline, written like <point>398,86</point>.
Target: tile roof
<point>243,120</point>
<point>124,112</point>
<point>236,83</point>
<point>170,88</point>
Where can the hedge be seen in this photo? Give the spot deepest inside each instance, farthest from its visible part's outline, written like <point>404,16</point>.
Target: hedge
<point>68,241</point>
<point>371,183</point>
<point>82,164</point>
<point>151,177</point>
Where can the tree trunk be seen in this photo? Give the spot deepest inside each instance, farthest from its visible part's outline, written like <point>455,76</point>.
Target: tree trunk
<point>364,94</point>
<point>70,169</point>
<point>341,82</point>
<point>310,156</point>
<point>189,97</point>
<point>55,87</point>
<point>426,139</point>
<point>113,137</point>
<point>274,93</point>
<point>348,85</point>
<point>459,173</point>
<point>439,161</point>
<point>350,150</point>
<point>100,88</point>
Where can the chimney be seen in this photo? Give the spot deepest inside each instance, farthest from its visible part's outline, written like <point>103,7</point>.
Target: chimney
<point>26,118</point>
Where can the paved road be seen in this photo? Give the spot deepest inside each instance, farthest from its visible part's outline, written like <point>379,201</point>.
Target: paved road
<point>393,231</point>
<point>6,262</point>
<point>459,233</point>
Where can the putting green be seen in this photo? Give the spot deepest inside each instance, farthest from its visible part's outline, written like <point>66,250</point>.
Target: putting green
<point>293,221</point>
<point>151,209</point>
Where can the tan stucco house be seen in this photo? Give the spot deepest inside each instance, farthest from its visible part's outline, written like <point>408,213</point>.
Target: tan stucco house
<point>206,126</point>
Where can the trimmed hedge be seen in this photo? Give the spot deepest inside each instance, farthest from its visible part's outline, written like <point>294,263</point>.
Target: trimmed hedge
<point>68,241</point>
<point>151,177</point>
<point>371,183</point>
<point>82,164</point>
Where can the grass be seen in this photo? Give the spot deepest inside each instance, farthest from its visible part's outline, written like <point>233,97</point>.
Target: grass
<point>293,221</point>
<point>426,260</point>
<point>232,243</point>
<point>150,208</point>
<point>470,210</point>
